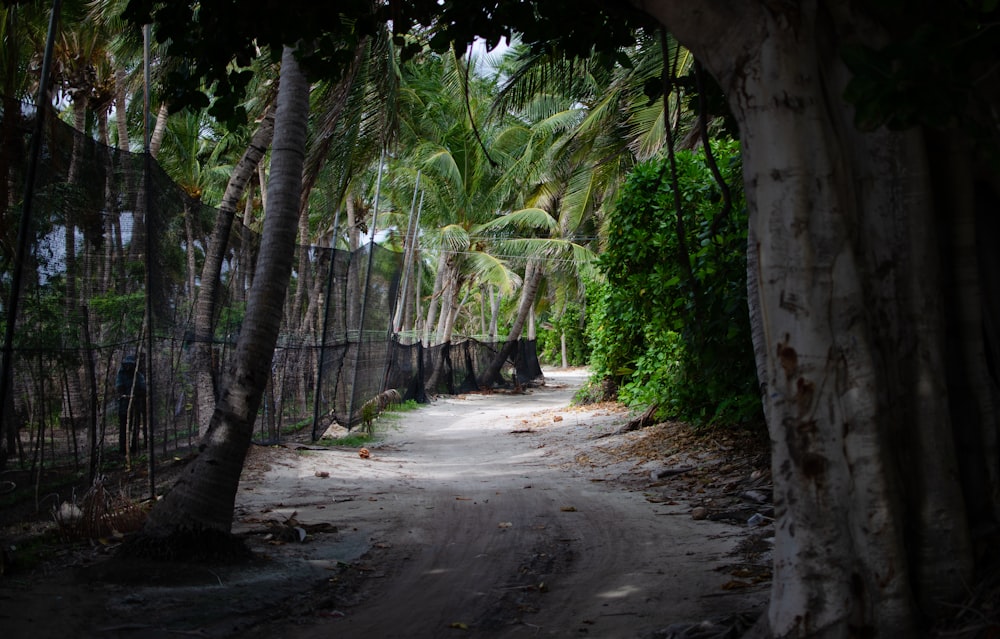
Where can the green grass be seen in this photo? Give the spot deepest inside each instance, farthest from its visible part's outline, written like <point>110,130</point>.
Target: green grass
<point>351,440</point>
<point>360,437</point>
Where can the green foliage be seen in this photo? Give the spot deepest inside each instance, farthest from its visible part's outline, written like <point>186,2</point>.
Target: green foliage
<point>550,338</point>
<point>231,319</point>
<point>657,336</point>
<point>210,52</point>
<point>351,440</point>
<point>125,311</point>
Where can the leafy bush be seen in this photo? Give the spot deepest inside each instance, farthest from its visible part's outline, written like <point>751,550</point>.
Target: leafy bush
<point>550,338</point>
<point>659,334</point>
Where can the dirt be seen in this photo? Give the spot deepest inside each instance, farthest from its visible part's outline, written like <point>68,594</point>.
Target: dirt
<point>484,515</point>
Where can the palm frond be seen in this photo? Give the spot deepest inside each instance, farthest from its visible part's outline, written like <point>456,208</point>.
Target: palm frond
<point>529,219</point>
<point>454,237</point>
<point>490,269</point>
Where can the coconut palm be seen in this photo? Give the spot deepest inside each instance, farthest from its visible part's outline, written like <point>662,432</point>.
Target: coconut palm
<point>559,182</point>
<point>204,498</point>
<point>461,188</point>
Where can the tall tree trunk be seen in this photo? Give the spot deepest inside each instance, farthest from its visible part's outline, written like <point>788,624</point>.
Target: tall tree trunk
<point>495,299</point>
<point>532,279</point>
<point>871,524</point>
<point>190,244</point>
<point>121,107</point>
<point>74,405</point>
<point>434,302</point>
<point>321,149</point>
<point>449,295</point>
<point>203,499</point>
<point>215,254</point>
<point>159,130</point>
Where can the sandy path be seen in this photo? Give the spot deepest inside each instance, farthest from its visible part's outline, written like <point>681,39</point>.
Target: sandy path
<point>482,516</point>
<point>475,526</point>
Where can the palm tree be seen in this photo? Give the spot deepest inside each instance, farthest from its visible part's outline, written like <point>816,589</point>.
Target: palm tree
<point>550,153</point>
<point>584,124</point>
<point>205,311</point>
<point>461,188</point>
<point>203,500</point>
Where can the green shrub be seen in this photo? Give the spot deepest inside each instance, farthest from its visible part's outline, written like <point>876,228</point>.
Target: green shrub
<point>660,335</point>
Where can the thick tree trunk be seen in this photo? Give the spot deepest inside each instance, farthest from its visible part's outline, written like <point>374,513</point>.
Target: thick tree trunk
<point>203,499</point>
<point>871,526</point>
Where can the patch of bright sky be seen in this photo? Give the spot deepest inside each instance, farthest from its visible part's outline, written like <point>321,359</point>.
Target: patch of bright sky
<point>485,58</point>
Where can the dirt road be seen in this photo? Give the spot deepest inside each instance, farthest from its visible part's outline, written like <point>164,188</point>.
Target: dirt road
<point>481,518</point>
<point>481,515</point>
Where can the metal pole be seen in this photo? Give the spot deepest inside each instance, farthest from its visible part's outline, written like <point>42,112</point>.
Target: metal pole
<point>364,293</point>
<point>23,234</point>
<point>401,297</point>
<point>326,323</point>
<point>147,186</point>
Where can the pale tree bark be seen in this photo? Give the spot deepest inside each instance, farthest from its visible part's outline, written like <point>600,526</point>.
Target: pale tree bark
<point>871,529</point>
<point>482,308</point>
<point>450,286</point>
<point>159,130</point>
<point>455,307</point>
<point>203,498</point>
<point>434,302</point>
<point>121,107</point>
<point>446,283</point>
<point>215,254</point>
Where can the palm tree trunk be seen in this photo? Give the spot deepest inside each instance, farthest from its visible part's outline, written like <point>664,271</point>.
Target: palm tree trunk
<point>121,106</point>
<point>204,498</point>
<point>74,406</point>
<point>215,253</point>
<point>159,130</point>
<point>432,304</point>
<point>532,280</point>
<point>495,300</point>
<point>335,105</point>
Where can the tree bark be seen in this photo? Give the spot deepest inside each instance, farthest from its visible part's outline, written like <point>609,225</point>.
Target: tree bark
<point>215,254</point>
<point>871,526</point>
<point>432,304</point>
<point>159,130</point>
<point>204,498</point>
<point>532,279</point>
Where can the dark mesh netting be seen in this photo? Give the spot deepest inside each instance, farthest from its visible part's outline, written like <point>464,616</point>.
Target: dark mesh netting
<point>113,274</point>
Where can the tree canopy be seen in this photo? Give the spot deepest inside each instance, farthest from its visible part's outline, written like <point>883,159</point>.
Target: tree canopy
<point>212,44</point>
